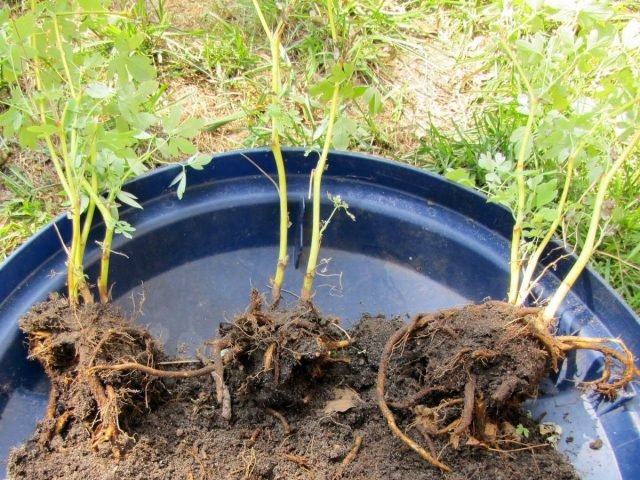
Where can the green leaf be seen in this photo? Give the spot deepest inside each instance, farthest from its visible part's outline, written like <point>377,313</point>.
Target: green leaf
<point>181,181</point>
<point>124,228</point>
<point>46,129</point>
<point>348,69</point>
<point>25,26</point>
<point>546,192</point>
<point>198,161</point>
<point>128,199</point>
<point>91,4</point>
<point>99,90</point>
<point>27,139</point>
<point>190,128</point>
<point>343,130</point>
<point>373,97</point>
<point>184,145</point>
<point>322,89</point>
<point>140,68</point>
<point>460,175</point>
<point>337,75</point>
<point>11,121</point>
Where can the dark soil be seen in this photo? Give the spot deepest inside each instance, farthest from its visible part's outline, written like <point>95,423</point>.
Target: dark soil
<point>71,345</point>
<point>304,410</point>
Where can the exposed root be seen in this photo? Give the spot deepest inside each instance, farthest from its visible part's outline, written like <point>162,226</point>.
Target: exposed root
<point>353,452</point>
<point>68,343</point>
<point>467,410</point>
<point>386,412</point>
<point>275,348</point>
<point>226,404</point>
<point>50,416</point>
<point>299,459</point>
<point>254,436</point>
<point>223,395</point>
<point>357,444</point>
<point>132,366</point>
<point>615,353</point>
<point>491,355</point>
<point>285,425</point>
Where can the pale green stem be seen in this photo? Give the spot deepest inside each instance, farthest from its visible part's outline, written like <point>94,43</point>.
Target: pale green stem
<point>109,225</point>
<point>532,262</point>
<point>65,65</point>
<point>88,219</point>
<point>76,283</point>
<point>105,259</point>
<point>316,236</point>
<point>263,21</point>
<point>332,21</point>
<point>282,178</point>
<point>276,89</point>
<point>548,314</point>
<point>515,260</point>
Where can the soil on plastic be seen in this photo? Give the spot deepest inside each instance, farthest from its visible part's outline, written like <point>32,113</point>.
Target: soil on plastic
<point>334,428</point>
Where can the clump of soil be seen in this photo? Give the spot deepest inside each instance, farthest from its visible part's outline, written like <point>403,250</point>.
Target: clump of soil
<point>73,346</point>
<point>283,352</point>
<point>458,373</point>
<point>319,426</point>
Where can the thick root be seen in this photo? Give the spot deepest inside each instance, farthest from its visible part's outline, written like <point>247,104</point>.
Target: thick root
<point>616,355</point>
<point>382,403</point>
<point>472,364</point>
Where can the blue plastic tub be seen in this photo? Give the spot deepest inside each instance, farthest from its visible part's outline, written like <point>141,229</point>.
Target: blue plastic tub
<point>419,243</point>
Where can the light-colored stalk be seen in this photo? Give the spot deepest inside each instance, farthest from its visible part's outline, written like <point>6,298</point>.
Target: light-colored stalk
<point>549,312</point>
<point>91,208</point>
<point>109,225</point>
<point>515,261</point>
<point>76,282</point>
<point>316,236</point>
<point>276,90</point>
<point>526,283</point>
<point>105,260</point>
<point>532,261</point>
<point>283,258</point>
<point>332,21</point>
<point>65,65</point>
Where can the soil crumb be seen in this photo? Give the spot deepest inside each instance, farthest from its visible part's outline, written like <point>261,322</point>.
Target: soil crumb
<point>327,426</point>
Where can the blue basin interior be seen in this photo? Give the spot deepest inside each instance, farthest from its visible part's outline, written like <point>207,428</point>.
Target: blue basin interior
<point>419,243</point>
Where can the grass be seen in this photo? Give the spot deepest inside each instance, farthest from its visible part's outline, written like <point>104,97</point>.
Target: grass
<point>25,208</point>
<point>428,60</point>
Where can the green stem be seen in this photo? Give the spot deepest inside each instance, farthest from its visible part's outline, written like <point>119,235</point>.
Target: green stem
<point>77,285</point>
<point>263,20</point>
<point>515,261</point>
<point>63,57</point>
<point>276,88</point>
<point>91,208</point>
<point>105,259</point>
<point>316,236</point>
<point>332,21</point>
<point>548,314</point>
<point>532,261</point>
<point>109,225</point>
<point>282,178</point>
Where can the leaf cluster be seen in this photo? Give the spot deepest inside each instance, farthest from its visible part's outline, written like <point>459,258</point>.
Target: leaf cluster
<point>82,80</point>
